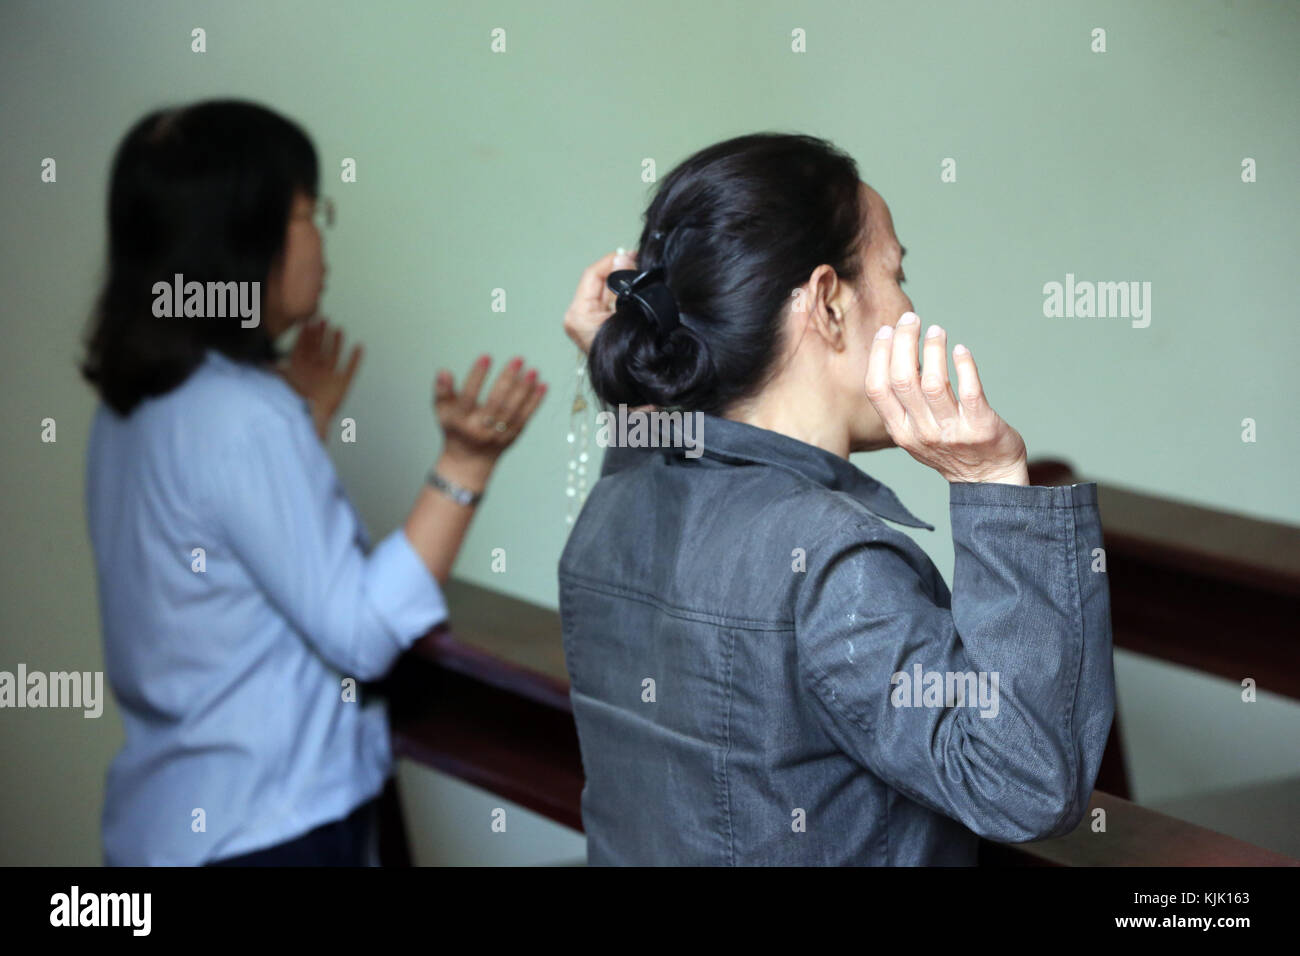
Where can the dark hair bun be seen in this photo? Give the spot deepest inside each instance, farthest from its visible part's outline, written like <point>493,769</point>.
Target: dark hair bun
<point>634,362</point>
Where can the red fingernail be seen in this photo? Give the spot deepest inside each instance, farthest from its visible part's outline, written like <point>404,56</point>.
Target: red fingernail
<point>483,360</point>
<point>516,363</point>
<point>532,374</point>
<point>542,389</point>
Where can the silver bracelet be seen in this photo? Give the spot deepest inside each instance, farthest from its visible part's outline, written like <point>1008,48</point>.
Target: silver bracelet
<point>452,490</point>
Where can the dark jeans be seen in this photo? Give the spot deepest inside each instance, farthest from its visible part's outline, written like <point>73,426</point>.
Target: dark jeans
<point>343,842</point>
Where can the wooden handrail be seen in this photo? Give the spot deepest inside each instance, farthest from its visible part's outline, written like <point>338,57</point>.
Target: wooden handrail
<point>1134,836</point>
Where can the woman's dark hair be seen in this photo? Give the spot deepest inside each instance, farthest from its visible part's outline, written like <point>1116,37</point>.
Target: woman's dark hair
<point>204,191</point>
<point>736,227</point>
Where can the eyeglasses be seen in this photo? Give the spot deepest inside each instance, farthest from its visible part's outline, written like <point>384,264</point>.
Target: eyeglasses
<point>323,215</point>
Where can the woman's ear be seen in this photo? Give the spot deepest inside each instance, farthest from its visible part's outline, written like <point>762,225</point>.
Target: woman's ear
<point>826,313</point>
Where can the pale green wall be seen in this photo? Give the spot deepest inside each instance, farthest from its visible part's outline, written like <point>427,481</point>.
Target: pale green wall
<point>479,171</point>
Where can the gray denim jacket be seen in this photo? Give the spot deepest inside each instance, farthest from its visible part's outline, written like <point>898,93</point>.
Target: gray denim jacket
<point>765,672</point>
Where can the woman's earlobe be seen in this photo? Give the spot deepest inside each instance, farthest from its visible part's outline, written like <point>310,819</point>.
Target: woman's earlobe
<point>836,328</point>
<point>837,323</point>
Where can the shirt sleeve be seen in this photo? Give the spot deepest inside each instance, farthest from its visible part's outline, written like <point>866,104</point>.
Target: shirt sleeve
<point>279,506</point>
<point>893,662</point>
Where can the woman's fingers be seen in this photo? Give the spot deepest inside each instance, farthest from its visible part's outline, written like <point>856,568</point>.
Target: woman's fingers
<point>518,415</point>
<point>354,359</point>
<point>513,398</point>
<point>593,302</point>
<point>964,440</point>
<point>592,288</point>
<point>910,402</point>
<point>444,390</point>
<point>467,398</point>
<point>517,396</point>
<point>296,353</point>
<point>501,389</point>
<point>600,299</point>
<point>308,341</point>
<point>530,404</point>
<point>934,375</point>
<point>311,345</point>
<point>903,377</point>
<point>970,391</point>
<point>622,260</point>
<point>879,389</point>
<point>592,294</point>
<point>591,285</point>
<point>334,346</point>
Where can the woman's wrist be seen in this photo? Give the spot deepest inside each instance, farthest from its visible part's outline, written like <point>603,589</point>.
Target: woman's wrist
<point>1017,474</point>
<point>469,471</point>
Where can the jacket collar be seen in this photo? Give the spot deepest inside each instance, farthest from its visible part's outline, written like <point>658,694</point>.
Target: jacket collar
<point>727,440</point>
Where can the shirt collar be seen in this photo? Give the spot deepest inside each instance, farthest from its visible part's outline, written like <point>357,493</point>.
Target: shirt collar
<point>727,440</point>
<point>227,366</point>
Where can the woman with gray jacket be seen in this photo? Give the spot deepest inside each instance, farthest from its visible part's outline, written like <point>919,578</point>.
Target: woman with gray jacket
<point>764,670</point>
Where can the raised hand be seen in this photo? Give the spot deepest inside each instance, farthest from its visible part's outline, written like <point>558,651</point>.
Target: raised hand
<point>313,370</point>
<point>964,440</point>
<point>481,432</point>
<point>593,302</point>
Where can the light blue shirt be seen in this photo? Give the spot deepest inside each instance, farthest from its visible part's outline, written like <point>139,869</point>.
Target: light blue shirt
<point>229,664</point>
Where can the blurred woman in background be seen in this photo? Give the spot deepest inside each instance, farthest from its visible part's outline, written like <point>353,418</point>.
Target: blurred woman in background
<point>239,599</point>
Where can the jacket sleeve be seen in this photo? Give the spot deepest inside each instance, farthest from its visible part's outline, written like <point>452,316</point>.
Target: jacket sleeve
<point>992,704</point>
<point>280,509</point>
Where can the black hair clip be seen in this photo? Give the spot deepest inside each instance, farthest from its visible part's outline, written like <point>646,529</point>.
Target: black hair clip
<point>650,292</point>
